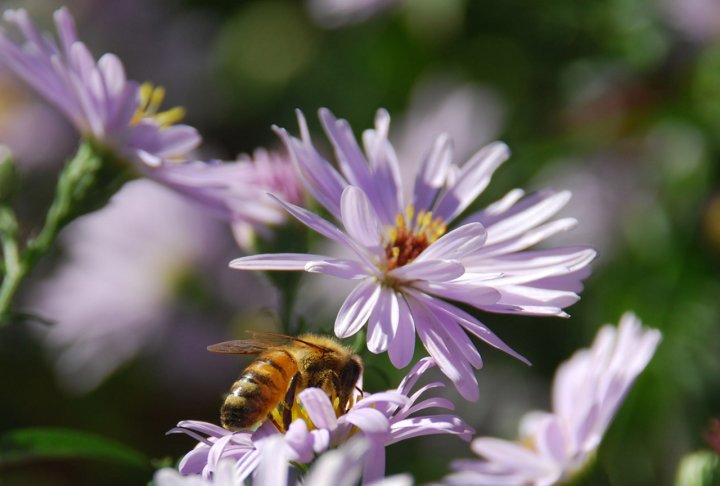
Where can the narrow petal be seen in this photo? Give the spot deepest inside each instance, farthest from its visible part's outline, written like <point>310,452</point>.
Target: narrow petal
<point>473,179</point>
<point>345,269</point>
<point>357,307</point>
<point>318,407</point>
<point>277,261</point>
<point>434,270</point>
<point>456,244</point>
<point>433,173</point>
<point>359,217</point>
<point>326,229</point>
<point>402,345</point>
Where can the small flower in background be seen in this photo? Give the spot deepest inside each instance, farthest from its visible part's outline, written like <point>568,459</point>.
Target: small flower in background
<point>113,296</point>
<point>383,419</point>
<point>587,392</point>
<point>95,96</point>
<point>409,261</point>
<point>238,191</point>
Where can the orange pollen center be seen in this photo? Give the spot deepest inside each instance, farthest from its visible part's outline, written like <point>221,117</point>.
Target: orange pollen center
<point>411,236</point>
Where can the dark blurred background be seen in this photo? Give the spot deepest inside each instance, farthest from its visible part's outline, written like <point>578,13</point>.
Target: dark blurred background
<point>616,100</point>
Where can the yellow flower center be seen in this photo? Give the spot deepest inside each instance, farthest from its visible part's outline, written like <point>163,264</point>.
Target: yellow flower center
<point>410,236</point>
<point>151,97</point>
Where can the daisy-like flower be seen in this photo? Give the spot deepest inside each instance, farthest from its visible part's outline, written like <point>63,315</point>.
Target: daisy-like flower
<point>237,191</point>
<point>382,418</point>
<point>96,97</point>
<point>587,392</point>
<point>409,260</point>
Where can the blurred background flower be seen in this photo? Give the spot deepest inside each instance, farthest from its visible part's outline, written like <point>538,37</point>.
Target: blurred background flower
<point>617,100</point>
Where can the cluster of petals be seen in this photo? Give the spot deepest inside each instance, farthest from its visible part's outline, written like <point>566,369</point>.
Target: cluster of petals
<point>237,191</point>
<point>587,391</point>
<point>382,419</point>
<point>483,261</point>
<point>95,96</point>
<point>338,467</point>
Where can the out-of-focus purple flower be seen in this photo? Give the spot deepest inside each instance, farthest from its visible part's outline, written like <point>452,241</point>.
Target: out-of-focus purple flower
<point>587,392</point>
<point>113,295</point>
<point>95,96</point>
<point>336,13</point>
<point>238,191</point>
<point>408,264</point>
<point>698,20</point>
<point>382,418</point>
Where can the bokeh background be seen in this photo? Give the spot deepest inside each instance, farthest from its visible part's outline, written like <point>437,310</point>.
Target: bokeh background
<point>616,100</point>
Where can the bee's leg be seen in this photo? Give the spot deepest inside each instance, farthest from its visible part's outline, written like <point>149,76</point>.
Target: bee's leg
<point>274,422</point>
<point>289,400</point>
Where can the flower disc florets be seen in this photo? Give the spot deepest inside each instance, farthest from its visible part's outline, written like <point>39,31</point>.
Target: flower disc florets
<point>411,236</point>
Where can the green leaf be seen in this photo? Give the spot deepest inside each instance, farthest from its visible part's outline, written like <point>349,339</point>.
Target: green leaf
<point>34,444</point>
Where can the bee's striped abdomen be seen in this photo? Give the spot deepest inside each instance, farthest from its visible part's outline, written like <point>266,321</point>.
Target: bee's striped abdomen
<point>260,388</point>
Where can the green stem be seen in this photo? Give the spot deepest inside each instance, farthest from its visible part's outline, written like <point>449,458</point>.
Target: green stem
<point>15,270</point>
<point>85,184</point>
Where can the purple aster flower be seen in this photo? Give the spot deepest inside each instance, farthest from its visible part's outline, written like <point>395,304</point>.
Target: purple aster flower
<point>237,191</point>
<point>409,260</point>
<point>587,391</point>
<point>95,96</point>
<point>382,418</point>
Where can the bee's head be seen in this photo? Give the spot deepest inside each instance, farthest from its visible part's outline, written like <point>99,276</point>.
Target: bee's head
<point>350,374</point>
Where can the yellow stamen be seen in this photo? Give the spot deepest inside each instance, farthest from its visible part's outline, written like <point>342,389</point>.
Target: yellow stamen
<point>151,98</point>
<point>410,236</point>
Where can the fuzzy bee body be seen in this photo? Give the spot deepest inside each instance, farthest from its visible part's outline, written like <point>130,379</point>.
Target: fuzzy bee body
<point>273,380</point>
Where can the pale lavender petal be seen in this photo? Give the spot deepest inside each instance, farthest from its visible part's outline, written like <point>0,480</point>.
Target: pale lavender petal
<point>348,154</point>
<point>326,229</point>
<point>434,270</point>
<point>374,464</point>
<point>456,244</point>
<point>357,307</point>
<point>345,269</point>
<point>340,467</point>
<point>402,345</point>
<point>360,219</point>
<point>368,420</point>
<point>415,373</point>
<point>276,261</point>
<point>299,441</point>
<point>383,321</point>
<point>435,424</point>
<point>323,181</point>
<point>433,173</point>
<point>272,468</point>
<point>385,167</point>
<point>473,179</point>
<point>476,327</point>
<point>318,407</point>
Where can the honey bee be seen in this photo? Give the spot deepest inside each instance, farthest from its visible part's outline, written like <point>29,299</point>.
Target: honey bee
<point>283,369</point>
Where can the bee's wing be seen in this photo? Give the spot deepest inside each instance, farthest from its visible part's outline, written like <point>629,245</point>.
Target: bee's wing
<point>280,338</point>
<point>242,346</point>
